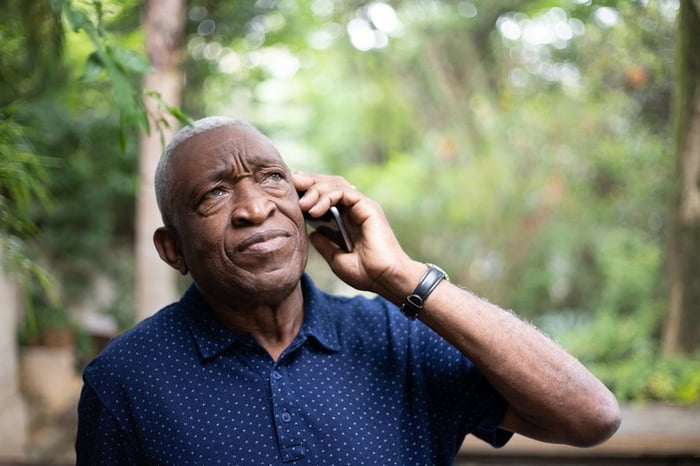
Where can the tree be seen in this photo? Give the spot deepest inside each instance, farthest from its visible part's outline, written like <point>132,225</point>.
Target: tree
<point>163,22</point>
<point>682,331</point>
<point>29,65</point>
<point>554,157</point>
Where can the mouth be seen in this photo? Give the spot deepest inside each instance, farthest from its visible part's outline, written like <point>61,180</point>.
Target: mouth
<point>264,241</point>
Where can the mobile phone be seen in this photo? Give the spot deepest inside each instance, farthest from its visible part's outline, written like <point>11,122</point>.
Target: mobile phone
<point>332,226</point>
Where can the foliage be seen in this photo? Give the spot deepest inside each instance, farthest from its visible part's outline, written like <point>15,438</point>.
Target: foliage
<point>647,377</point>
<point>623,351</point>
<point>60,95</point>
<point>25,67</point>
<point>536,172</point>
<point>22,175</point>
<point>122,66</point>
<point>32,44</point>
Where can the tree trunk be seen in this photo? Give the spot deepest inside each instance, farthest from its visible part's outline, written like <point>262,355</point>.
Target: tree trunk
<point>163,23</point>
<point>14,415</point>
<point>682,331</point>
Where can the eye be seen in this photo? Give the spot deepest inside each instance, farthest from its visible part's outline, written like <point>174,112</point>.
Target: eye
<point>274,179</point>
<point>212,200</point>
<point>276,176</point>
<point>216,192</point>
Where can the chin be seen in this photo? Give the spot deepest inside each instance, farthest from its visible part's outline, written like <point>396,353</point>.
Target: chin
<point>280,278</point>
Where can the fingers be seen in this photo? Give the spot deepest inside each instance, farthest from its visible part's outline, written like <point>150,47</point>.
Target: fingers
<point>376,252</point>
<point>324,246</point>
<point>323,191</point>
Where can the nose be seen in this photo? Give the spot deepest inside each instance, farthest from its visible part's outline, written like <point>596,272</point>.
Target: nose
<point>251,204</point>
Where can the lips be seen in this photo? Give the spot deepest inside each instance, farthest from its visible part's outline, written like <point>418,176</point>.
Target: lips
<point>263,241</point>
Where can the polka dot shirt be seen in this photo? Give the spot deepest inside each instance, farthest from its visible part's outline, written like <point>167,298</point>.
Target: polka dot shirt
<point>359,385</point>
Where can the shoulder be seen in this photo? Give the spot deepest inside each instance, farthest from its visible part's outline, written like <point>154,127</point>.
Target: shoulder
<point>147,341</point>
<point>361,310</point>
<point>373,322</point>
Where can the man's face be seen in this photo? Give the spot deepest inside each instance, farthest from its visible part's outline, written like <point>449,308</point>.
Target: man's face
<point>236,215</point>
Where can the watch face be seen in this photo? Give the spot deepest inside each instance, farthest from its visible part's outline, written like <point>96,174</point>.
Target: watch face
<point>447,277</point>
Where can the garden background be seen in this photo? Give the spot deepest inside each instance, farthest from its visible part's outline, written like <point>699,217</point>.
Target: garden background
<point>545,153</point>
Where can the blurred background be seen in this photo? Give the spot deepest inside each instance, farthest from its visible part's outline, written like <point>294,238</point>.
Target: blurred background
<point>545,153</point>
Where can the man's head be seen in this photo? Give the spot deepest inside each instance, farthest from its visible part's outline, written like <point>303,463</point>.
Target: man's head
<point>231,213</point>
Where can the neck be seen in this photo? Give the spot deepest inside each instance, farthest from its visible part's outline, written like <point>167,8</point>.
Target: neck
<point>272,325</point>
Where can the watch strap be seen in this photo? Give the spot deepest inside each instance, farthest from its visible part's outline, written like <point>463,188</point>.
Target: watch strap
<point>416,300</point>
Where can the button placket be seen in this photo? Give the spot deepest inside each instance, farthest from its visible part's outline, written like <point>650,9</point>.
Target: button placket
<point>287,427</point>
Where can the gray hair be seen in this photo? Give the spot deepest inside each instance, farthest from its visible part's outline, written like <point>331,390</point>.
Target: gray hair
<point>163,176</point>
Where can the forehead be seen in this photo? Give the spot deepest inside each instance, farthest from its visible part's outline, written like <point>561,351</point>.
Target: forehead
<point>238,147</point>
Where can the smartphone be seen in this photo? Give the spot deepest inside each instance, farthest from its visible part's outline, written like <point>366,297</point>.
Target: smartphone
<point>332,226</point>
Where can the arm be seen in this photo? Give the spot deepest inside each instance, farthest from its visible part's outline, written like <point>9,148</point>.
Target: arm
<point>100,439</point>
<point>552,396</point>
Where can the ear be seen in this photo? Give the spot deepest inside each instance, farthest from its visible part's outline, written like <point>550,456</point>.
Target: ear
<point>168,246</point>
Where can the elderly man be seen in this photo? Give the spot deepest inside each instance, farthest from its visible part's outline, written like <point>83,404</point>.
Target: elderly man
<point>255,365</point>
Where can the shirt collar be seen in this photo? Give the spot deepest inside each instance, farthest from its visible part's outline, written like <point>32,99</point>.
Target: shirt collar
<point>212,338</point>
<point>318,323</point>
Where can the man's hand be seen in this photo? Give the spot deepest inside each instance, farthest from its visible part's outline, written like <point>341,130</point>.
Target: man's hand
<point>377,259</point>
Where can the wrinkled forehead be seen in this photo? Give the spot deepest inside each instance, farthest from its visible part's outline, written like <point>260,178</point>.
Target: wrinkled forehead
<point>243,147</point>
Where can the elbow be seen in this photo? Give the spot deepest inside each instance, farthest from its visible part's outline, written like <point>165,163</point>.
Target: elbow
<point>603,421</point>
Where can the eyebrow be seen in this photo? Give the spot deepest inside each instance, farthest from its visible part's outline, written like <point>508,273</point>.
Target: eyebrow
<point>212,177</point>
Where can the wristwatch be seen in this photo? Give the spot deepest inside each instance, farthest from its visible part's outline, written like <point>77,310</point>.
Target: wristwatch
<point>415,301</point>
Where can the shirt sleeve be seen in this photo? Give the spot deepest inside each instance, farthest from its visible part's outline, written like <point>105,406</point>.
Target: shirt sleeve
<point>100,439</point>
<point>488,410</point>
<point>462,401</point>
<point>490,432</point>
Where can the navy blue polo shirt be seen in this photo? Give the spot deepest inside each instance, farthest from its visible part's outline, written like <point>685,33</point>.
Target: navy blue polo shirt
<point>360,384</point>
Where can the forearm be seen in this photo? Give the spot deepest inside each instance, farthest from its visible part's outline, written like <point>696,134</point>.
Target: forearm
<point>553,396</point>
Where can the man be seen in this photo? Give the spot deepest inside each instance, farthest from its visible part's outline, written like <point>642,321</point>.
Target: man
<point>254,365</point>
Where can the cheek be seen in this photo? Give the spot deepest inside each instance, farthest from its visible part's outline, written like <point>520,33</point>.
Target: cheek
<point>295,215</point>
<point>203,238</point>
<point>301,228</point>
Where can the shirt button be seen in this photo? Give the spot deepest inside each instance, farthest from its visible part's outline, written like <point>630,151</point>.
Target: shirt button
<point>276,375</point>
<point>286,417</point>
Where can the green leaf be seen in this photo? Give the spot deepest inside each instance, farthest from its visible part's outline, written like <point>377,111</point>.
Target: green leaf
<point>130,61</point>
<point>176,112</point>
<point>142,116</point>
<point>93,67</point>
<point>123,92</point>
<point>181,116</point>
<point>77,19</point>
